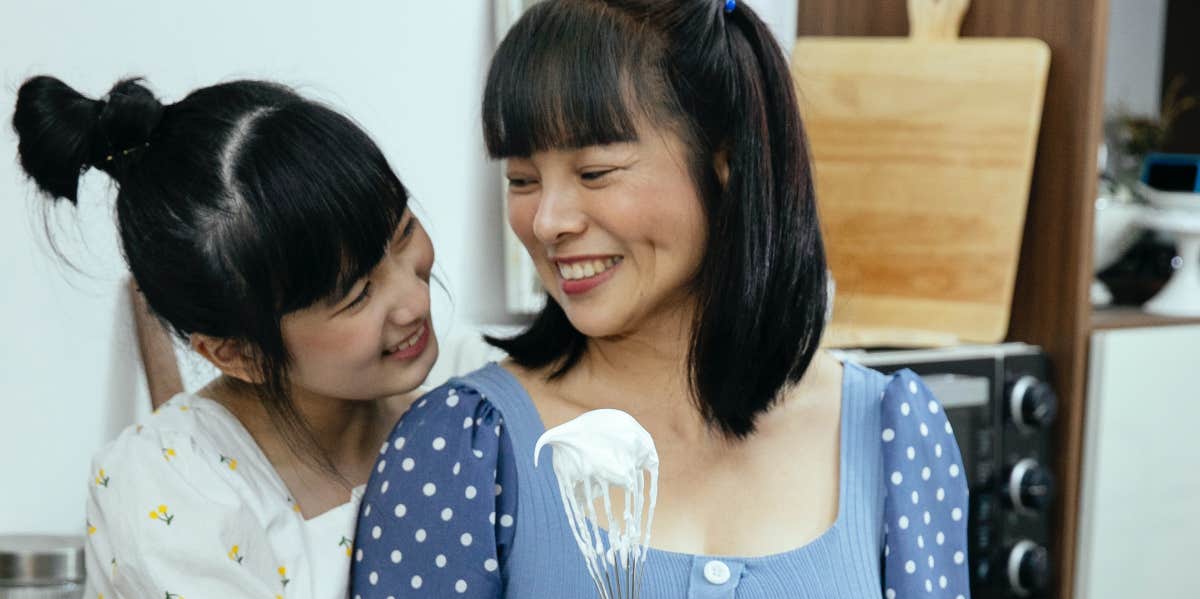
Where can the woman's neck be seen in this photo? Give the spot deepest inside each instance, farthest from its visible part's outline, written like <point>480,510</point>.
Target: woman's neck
<point>645,374</point>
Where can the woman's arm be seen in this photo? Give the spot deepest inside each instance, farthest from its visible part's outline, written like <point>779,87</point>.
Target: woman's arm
<point>437,517</point>
<point>925,512</point>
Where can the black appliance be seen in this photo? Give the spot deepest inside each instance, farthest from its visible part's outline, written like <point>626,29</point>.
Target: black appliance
<point>1000,402</point>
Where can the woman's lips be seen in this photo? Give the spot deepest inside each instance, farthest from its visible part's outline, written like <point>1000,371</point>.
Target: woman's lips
<point>582,274</point>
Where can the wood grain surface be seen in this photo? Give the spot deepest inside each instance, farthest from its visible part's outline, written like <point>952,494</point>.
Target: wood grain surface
<point>923,154</point>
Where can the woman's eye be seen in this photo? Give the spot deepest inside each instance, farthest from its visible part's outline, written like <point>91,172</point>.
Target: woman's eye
<point>596,175</point>
<point>362,296</point>
<point>518,182</point>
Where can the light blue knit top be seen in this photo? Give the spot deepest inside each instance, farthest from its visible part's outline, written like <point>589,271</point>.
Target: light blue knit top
<point>457,509</point>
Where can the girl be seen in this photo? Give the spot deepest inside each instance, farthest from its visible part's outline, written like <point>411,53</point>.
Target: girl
<point>270,233</point>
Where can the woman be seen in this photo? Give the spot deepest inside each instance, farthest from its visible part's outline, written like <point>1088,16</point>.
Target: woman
<point>269,232</point>
<point>659,178</point>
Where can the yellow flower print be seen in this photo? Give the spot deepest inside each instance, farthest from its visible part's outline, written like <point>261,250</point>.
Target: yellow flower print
<point>231,462</point>
<point>283,579</point>
<point>183,408</point>
<point>91,529</point>
<point>348,544</point>
<point>235,555</point>
<point>168,453</point>
<point>173,596</point>
<point>101,479</point>
<point>162,514</point>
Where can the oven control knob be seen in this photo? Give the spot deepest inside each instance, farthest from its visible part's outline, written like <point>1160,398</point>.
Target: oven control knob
<point>1029,486</point>
<point>1028,568</point>
<point>1032,403</point>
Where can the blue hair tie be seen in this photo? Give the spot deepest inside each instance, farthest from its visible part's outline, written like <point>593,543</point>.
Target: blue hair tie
<point>730,5</point>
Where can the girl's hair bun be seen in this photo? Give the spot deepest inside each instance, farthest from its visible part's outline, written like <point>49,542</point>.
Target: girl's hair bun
<point>61,132</point>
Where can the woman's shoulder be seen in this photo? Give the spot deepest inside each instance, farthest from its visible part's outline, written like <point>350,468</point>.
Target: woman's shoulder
<point>899,387</point>
<point>912,421</point>
<point>918,440</point>
<point>927,496</point>
<point>456,408</point>
<point>489,388</point>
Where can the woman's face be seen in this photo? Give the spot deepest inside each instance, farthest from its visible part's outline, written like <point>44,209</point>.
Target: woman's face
<point>617,231</point>
<point>378,340</point>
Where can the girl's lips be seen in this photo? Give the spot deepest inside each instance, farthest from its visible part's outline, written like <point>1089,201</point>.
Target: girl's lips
<point>416,349</point>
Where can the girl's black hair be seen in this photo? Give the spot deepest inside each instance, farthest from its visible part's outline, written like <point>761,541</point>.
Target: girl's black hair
<point>237,205</point>
<point>573,73</point>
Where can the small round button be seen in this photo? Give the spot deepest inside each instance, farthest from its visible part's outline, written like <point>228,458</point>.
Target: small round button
<point>716,572</point>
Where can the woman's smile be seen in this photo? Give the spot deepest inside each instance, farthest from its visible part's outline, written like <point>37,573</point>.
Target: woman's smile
<point>581,274</point>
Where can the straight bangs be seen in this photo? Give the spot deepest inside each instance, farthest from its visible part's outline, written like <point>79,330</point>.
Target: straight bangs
<point>323,199</point>
<point>568,75</point>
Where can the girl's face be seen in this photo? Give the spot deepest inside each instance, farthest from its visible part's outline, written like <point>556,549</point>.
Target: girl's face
<point>617,231</point>
<point>378,340</point>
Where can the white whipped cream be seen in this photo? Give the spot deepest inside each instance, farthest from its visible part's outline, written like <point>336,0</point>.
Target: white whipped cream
<point>594,453</point>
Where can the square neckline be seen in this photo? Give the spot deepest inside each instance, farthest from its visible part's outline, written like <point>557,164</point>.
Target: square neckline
<point>356,493</point>
<point>827,536</point>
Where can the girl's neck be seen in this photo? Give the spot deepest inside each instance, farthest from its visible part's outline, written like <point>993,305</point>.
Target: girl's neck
<point>346,432</point>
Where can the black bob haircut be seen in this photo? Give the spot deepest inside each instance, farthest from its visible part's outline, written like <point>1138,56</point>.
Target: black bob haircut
<point>237,205</point>
<point>574,73</point>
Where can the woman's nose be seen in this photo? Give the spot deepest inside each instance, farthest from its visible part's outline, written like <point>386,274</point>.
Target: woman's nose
<point>558,216</point>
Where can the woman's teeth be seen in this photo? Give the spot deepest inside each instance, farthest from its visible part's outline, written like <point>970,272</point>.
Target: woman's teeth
<point>407,343</point>
<point>585,270</point>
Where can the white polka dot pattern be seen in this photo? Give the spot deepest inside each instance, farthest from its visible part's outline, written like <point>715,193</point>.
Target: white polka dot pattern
<point>448,518</point>
<point>425,529</point>
<point>926,497</point>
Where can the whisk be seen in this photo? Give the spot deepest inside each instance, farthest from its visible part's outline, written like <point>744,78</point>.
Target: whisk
<point>596,453</point>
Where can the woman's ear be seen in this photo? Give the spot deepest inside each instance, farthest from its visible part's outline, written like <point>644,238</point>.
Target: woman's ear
<point>232,357</point>
<point>721,166</point>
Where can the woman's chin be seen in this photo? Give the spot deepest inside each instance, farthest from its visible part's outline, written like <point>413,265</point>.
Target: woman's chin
<point>595,325</point>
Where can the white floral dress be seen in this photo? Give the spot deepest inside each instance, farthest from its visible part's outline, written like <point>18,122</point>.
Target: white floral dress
<point>187,506</point>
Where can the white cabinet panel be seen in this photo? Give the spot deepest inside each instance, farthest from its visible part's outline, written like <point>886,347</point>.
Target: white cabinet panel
<point>1140,502</point>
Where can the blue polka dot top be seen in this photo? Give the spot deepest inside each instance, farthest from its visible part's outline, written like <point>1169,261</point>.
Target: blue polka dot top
<point>455,508</point>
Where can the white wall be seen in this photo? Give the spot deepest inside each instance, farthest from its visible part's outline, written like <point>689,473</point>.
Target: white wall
<point>1133,72</point>
<point>411,72</point>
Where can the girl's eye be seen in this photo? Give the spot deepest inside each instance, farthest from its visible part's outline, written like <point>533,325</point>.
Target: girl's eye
<point>596,175</point>
<point>362,296</point>
<point>408,228</point>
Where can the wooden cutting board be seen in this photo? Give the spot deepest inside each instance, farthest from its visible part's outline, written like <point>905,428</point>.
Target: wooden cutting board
<point>923,148</point>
